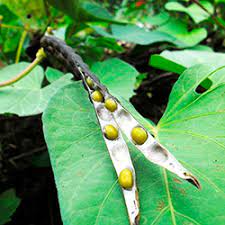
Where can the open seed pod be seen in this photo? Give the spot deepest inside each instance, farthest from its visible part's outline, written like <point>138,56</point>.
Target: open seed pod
<point>120,157</point>
<point>114,120</point>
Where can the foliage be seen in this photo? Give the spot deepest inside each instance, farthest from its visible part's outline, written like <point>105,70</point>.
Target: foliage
<point>19,98</point>
<point>95,188</point>
<point>8,204</point>
<point>179,37</point>
<point>194,11</point>
<point>178,61</point>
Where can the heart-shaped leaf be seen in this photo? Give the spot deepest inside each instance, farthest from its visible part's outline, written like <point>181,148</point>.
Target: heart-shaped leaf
<point>192,128</point>
<point>27,97</point>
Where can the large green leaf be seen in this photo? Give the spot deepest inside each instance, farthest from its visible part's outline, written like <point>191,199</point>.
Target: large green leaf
<point>173,31</point>
<point>27,97</point>
<point>8,204</point>
<point>192,128</point>
<point>193,10</point>
<point>135,34</point>
<point>178,61</point>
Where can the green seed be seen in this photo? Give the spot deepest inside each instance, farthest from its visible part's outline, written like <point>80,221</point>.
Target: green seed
<point>110,104</point>
<point>49,30</point>
<point>90,82</point>
<point>126,179</point>
<point>139,135</point>
<point>111,132</point>
<point>97,96</point>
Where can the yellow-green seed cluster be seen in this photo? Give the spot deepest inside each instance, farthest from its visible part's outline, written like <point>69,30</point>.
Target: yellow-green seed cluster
<point>138,134</point>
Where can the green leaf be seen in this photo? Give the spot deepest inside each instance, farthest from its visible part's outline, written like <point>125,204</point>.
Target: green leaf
<point>158,19</point>
<point>192,129</point>
<point>104,42</point>
<point>8,16</point>
<point>193,10</point>
<point>30,12</point>
<point>84,176</point>
<point>53,74</point>
<point>179,29</point>
<point>115,71</point>
<point>8,204</point>
<point>173,31</point>
<point>178,61</point>
<point>9,38</point>
<point>84,10</point>
<point>95,10</point>
<point>70,7</point>
<point>27,97</point>
<point>135,34</point>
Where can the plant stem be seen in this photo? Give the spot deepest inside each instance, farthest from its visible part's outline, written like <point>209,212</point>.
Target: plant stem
<point>19,50</point>
<point>211,15</point>
<point>39,57</point>
<point>11,26</point>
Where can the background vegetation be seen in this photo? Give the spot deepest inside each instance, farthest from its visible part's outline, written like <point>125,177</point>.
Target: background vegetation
<point>139,50</point>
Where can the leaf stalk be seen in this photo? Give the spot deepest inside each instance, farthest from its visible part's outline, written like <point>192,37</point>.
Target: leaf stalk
<point>39,57</point>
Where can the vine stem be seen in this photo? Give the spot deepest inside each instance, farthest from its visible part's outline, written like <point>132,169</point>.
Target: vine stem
<point>39,57</point>
<point>210,14</point>
<point>11,26</point>
<point>19,50</point>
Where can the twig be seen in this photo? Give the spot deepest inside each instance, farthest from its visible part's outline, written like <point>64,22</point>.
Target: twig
<point>19,50</point>
<point>155,79</point>
<point>210,14</point>
<point>11,26</point>
<point>39,57</point>
<point>26,154</point>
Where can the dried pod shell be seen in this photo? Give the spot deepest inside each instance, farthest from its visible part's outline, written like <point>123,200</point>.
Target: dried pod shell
<point>139,135</point>
<point>126,179</point>
<point>111,132</point>
<point>97,96</point>
<point>110,104</point>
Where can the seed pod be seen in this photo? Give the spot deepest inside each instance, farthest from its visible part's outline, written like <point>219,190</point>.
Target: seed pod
<point>126,179</point>
<point>97,96</point>
<point>90,82</point>
<point>139,135</point>
<point>111,132</point>
<point>110,104</point>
